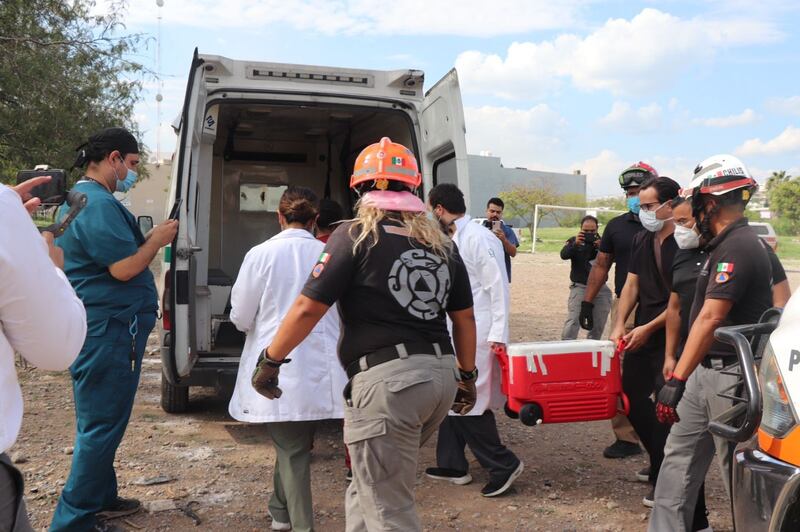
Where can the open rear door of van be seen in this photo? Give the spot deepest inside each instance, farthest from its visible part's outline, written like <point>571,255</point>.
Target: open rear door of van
<point>444,147</point>
<point>183,345</point>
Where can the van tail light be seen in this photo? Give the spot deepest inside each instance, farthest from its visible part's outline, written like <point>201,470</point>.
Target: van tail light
<point>166,308</point>
<point>778,417</point>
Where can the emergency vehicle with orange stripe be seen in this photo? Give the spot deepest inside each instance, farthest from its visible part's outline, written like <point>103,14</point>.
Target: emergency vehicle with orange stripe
<point>765,483</point>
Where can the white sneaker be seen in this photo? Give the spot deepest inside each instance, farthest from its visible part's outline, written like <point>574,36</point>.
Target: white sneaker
<point>278,525</point>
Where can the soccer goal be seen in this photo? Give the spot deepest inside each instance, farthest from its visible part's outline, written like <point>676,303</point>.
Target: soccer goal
<point>554,224</point>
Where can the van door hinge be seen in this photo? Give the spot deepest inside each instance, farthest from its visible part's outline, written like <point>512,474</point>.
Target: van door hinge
<point>186,253</point>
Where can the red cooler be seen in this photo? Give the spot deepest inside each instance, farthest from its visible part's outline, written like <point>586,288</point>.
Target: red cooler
<point>562,382</point>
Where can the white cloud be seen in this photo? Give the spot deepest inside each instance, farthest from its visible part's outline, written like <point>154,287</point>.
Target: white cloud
<point>787,141</point>
<point>521,137</point>
<point>623,117</point>
<point>358,17</point>
<point>602,173</point>
<point>748,116</point>
<point>634,56</point>
<point>790,105</point>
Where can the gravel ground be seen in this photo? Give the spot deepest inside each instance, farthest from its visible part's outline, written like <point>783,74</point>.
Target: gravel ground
<point>219,471</point>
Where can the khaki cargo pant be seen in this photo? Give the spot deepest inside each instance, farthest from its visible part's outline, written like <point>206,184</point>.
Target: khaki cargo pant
<point>690,450</point>
<point>13,515</point>
<point>396,407</point>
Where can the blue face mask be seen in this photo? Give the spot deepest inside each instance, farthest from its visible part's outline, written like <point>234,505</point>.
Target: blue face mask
<point>126,184</point>
<point>633,204</point>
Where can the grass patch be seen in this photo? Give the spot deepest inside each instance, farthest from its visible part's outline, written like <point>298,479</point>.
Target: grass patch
<point>551,240</point>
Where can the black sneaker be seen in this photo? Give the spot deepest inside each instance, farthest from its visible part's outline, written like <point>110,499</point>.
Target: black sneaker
<point>499,486</point>
<point>649,500</point>
<point>349,475</point>
<point>643,475</point>
<point>459,478</point>
<point>120,508</point>
<point>622,449</point>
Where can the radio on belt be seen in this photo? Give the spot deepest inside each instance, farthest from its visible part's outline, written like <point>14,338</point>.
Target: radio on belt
<point>562,382</point>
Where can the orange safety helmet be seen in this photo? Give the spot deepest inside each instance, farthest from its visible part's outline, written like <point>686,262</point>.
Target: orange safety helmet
<point>386,161</point>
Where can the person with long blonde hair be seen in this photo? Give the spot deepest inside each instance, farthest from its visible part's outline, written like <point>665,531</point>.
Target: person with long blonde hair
<point>395,277</point>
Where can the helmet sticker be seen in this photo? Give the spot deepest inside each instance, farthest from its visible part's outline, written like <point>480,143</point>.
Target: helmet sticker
<point>419,282</point>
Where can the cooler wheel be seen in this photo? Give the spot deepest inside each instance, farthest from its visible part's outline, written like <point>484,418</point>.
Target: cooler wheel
<point>531,414</point>
<point>510,413</point>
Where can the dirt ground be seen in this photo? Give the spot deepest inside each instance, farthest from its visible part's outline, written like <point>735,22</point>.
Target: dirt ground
<point>221,470</point>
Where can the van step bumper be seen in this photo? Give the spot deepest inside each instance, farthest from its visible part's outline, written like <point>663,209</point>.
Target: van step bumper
<point>766,491</point>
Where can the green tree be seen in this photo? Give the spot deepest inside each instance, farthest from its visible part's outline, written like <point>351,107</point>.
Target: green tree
<point>521,201</point>
<point>785,202</point>
<point>64,73</point>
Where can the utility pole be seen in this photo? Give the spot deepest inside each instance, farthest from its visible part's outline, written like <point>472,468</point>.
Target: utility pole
<point>159,95</point>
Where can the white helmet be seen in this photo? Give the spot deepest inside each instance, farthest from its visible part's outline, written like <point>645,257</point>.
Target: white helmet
<point>720,175</point>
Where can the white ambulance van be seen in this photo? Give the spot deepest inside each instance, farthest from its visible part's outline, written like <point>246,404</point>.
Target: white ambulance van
<point>248,129</point>
<point>765,483</point>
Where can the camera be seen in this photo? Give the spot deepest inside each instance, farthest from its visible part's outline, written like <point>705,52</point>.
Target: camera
<point>590,238</point>
<point>53,192</point>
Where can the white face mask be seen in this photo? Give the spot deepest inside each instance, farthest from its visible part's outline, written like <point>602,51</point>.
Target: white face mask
<point>686,238</point>
<point>649,220</point>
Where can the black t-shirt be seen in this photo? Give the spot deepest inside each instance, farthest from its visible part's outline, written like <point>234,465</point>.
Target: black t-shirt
<point>737,269</point>
<point>654,281</point>
<point>579,257</point>
<point>395,292</point>
<point>685,270</point>
<point>617,241</point>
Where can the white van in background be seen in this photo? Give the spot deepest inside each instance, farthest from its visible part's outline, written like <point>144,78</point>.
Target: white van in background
<point>247,130</point>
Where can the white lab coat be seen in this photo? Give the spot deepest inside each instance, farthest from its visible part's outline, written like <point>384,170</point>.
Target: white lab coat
<point>271,277</point>
<point>482,253</point>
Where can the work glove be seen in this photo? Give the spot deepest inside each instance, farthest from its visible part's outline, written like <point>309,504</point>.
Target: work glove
<point>466,395</point>
<point>668,398</point>
<point>586,317</point>
<point>265,376</point>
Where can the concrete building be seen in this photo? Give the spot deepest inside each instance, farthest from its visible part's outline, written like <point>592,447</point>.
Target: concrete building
<point>488,178</point>
<point>148,197</point>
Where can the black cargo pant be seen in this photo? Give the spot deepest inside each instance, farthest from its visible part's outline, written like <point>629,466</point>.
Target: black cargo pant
<point>641,379</point>
<point>480,434</point>
<point>13,515</point>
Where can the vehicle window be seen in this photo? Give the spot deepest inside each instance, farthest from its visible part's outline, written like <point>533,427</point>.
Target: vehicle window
<point>444,170</point>
<point>760,229</point>
<point>259,198</point>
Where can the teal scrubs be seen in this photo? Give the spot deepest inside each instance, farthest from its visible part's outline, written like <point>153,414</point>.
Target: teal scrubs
<point>120,316</point>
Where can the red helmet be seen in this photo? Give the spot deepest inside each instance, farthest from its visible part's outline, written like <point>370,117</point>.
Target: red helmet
<point>636,174</point>
<point>386,161</point>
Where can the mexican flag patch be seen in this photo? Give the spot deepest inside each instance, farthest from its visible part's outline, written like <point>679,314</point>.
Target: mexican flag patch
<point>726,267</point>
<point>397,161</point>
<point>324,258</point>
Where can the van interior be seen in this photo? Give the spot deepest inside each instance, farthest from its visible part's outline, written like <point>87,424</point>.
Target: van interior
<point>258,150</point>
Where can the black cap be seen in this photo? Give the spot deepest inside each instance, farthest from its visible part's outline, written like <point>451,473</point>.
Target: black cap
<point>104,142</point>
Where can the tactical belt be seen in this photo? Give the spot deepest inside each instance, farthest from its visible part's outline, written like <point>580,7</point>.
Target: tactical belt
<point>392,352</point>
<point>719,362</point>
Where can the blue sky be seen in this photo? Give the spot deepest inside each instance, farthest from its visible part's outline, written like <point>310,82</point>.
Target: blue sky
<point>547,84</point>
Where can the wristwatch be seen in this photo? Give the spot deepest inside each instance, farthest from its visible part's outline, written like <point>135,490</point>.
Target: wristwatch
<point>468,375</point>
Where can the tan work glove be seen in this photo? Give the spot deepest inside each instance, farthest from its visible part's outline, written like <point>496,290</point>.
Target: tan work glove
<point>466,395</point>
<point>265,376</point>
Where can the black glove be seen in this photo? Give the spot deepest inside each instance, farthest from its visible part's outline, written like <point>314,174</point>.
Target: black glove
<point>467,394</point>
<point>586,317</point>
<point>265,376</point>
<point>668,398</point>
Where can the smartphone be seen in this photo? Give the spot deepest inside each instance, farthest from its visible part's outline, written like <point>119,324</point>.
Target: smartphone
<point>497,225</point>
<point>176,209</point>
